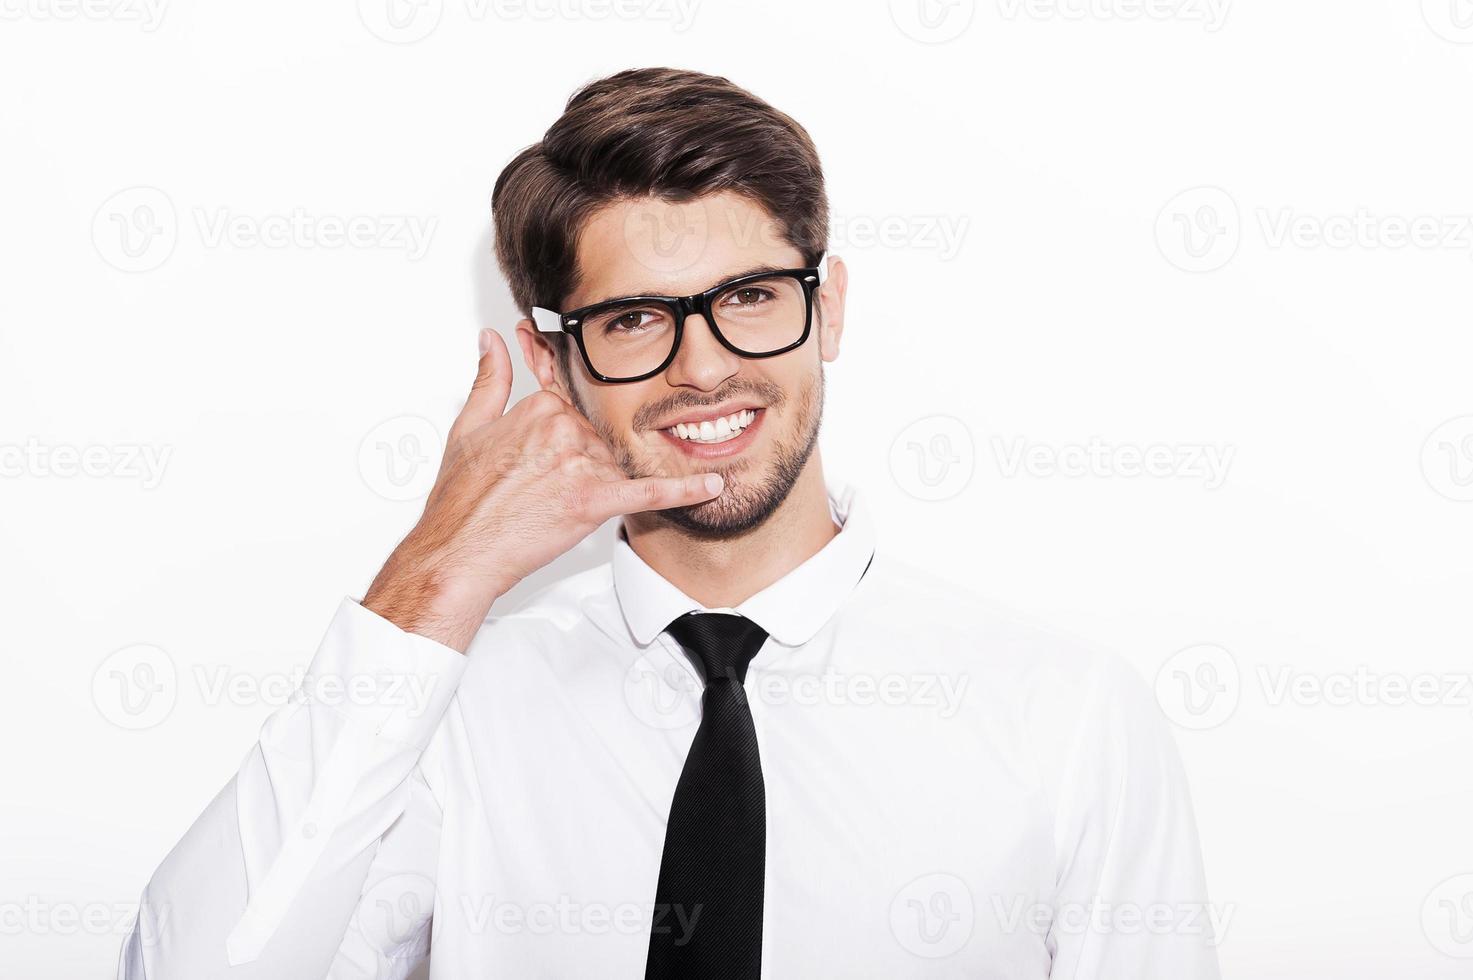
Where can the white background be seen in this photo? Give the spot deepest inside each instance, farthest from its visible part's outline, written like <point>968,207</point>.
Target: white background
<point>1112,227</point>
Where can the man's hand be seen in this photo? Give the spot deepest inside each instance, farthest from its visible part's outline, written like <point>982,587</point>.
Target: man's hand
<point>515,490</point>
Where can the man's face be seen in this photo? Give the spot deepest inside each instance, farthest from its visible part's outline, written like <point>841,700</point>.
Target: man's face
<point>648,246</point>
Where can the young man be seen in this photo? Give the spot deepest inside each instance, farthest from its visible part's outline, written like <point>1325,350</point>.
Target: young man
<point>747,745</point>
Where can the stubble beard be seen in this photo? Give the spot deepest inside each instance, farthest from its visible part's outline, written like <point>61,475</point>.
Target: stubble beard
<point>746,501</point>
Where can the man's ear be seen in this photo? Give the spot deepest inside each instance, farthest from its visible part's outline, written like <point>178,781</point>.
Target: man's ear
<point>830,300</point>
<point>541,358</point>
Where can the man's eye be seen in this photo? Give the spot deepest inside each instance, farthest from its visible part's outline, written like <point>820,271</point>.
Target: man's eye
<point>748,296</point>
<point>629,321</point>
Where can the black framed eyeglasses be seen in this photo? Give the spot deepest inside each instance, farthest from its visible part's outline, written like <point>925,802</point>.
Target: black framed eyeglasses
<point>636,337</point>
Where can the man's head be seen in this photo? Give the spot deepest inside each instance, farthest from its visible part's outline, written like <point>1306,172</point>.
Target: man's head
<point>665,182</point>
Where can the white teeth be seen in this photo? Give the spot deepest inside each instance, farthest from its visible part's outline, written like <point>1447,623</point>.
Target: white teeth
<point>717,430</point>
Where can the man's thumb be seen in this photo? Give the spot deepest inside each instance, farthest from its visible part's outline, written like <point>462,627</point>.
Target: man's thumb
<point>492,387</point>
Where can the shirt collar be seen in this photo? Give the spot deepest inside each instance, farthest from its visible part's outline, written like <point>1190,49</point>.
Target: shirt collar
<point>792,610</point>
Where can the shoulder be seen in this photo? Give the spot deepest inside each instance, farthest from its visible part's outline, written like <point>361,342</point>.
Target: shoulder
<point>549,610</point>
<point>1075,713</point>
<point>1067,695</point>
<point>970,628</point>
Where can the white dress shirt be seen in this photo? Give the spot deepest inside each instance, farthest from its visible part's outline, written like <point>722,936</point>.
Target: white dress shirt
<point>950,793</point>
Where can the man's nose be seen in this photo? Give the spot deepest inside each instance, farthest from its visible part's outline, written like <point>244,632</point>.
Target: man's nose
<point>702,361</point>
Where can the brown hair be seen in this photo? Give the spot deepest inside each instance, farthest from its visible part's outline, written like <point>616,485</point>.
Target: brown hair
<point>661,132</point>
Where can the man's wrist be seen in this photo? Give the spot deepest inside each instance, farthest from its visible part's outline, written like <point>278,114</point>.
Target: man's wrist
<point>439,605</point>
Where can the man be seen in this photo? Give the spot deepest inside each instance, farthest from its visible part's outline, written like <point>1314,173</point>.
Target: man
<point>747,745</point>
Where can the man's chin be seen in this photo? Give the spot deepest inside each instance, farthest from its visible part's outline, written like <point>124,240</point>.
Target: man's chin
<point>739,510</point>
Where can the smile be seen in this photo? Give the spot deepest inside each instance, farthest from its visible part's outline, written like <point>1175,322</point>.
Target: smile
<point>709,431</point>
<point>717,437</point>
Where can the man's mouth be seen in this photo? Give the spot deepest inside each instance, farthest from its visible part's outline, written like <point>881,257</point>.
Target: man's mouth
<point>716,432</point>
<point>720,428</point>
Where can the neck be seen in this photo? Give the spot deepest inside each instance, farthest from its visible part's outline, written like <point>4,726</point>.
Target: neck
<point>725,572</point>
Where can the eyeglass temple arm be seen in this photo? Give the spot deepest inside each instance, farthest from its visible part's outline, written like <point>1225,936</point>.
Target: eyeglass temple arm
<point>546,321</point>
<point>823,267</point>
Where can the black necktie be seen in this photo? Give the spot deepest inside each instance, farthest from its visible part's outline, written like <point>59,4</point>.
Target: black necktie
<point>708,907</point>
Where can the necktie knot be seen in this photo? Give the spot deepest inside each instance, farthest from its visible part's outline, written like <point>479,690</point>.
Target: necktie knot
<point>723,643</point>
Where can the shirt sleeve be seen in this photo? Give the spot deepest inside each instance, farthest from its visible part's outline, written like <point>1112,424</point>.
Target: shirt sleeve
<point>286,872</point>
<point>1132,898</point>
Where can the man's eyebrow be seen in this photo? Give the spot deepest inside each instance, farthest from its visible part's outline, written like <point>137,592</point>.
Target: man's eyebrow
<point>754,270</point>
